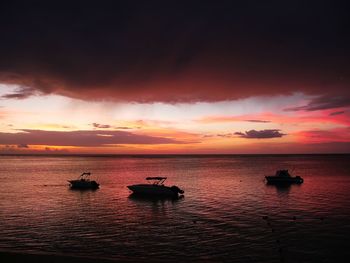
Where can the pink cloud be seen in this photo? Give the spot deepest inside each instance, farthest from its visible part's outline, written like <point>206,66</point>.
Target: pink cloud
<point>80,138</point>
<point>298,117</point>
<point>324,136</point>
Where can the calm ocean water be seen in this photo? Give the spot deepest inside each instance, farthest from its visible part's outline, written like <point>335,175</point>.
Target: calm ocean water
<point>219,219</point>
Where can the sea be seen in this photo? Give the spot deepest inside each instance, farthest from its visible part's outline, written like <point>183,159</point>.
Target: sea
<point>227,214</point>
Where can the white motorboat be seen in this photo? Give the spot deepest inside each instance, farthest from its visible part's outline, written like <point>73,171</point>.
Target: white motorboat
<point>156,187</point>
<point>84,182</point>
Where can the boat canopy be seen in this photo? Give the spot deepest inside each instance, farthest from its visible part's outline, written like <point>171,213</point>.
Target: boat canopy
<point>84,176</point>
<point>156,178</point>
<point>282,173</point>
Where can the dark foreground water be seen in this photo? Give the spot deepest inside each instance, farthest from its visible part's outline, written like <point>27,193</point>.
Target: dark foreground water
<point>228,213</point>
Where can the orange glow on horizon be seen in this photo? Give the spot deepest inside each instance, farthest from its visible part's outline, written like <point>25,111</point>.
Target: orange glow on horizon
<point>252,125</point>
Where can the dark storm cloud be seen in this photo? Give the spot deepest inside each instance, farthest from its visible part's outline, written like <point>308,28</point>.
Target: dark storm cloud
<point>79,138</point>
<point>324,103</point>
<point>175,50</point>
<point>263,134</point>
<point>336,113</point>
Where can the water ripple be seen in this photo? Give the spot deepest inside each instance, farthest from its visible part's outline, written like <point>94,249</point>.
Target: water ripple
<point>228,213</point>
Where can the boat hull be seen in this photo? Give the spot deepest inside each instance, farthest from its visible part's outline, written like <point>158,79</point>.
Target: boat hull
<point>79,184</point>
<point>283,180</point>
<point>152,190</point>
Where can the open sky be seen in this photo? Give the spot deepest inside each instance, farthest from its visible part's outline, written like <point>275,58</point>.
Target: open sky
<point>156,77</point>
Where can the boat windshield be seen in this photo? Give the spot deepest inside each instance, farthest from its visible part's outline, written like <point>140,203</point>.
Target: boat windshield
<point>283,173</point>
<point>157,180</point>
<point>84,176</point>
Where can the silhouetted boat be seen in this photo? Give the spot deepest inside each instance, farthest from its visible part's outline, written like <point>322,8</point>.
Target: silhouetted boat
<point>156,187</point>
<point>283,177</point>
<point>84,182</point>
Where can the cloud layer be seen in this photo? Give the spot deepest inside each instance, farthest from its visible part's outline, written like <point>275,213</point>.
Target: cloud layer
<point>170,51</point>
<point>79,138</point>
<point>323,103</point>
<point>262,134</point>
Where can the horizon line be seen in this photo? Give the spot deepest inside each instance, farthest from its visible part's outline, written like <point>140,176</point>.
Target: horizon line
<point>165,154</point>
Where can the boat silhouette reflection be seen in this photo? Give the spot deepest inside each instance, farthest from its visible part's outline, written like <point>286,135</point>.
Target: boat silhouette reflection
<point>283,189</point>
<point>83,189</point>
<point>154,198</point>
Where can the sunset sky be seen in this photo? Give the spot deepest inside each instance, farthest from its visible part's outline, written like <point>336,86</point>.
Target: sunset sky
<point>171,77</point>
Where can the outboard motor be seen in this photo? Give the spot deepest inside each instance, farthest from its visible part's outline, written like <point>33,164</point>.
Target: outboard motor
<point>94,184</point>
<point>176,190</point>
<point>299,179</point>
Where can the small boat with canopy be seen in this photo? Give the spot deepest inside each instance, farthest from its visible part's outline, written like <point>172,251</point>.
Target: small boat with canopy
<point>83,182</point>
<point>283,177</point>
<point>156,187</point>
